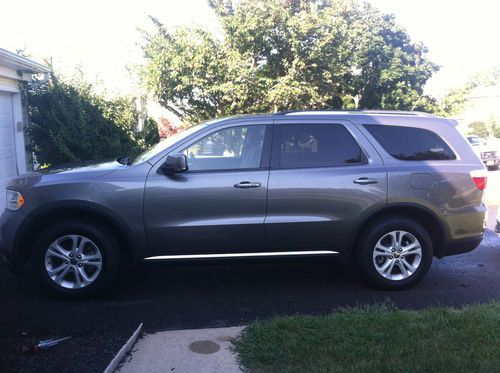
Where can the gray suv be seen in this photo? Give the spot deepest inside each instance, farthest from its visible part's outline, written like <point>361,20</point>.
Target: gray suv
<point>389,190</point>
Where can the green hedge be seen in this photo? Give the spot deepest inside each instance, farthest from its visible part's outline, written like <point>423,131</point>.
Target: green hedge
<point>70,122</point>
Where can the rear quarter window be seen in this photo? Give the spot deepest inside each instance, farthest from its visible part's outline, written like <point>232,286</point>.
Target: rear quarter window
<point>411,144</point>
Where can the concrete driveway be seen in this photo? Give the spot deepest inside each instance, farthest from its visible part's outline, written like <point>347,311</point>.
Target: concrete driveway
<point>214,295</point>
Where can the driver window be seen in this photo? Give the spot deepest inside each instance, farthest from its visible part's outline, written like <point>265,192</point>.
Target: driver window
<point>229,148</point>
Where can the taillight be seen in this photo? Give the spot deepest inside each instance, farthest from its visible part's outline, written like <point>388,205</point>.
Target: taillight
<point>480,178</point>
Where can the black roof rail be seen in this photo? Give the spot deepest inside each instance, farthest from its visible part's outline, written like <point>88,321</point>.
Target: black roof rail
<point>313,110</point>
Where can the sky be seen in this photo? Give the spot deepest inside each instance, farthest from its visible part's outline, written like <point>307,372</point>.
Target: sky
<point>101,36</point>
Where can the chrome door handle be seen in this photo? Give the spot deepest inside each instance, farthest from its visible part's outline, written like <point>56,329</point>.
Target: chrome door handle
<point>365,181</point>
<point>246,185</point>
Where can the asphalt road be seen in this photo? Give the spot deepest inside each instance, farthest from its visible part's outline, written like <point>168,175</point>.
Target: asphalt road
<point>218,294</point>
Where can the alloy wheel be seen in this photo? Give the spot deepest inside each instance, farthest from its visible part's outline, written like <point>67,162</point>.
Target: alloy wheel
<point>397,255</point>
<point>73,261</point>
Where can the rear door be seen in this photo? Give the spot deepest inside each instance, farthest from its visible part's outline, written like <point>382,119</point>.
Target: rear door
<point>324,176</point>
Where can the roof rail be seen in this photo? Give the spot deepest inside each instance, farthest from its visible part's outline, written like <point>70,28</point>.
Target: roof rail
<point>354,112</point>
<point>397,112</point>
<point>317,112</point>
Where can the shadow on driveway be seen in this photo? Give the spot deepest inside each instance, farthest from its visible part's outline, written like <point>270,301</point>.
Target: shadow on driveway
<point>212,295</point>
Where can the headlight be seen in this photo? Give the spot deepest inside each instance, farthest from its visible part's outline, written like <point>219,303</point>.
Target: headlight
<point>14,200</point>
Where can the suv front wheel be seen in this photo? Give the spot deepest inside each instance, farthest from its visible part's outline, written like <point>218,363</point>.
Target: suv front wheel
<point>395,253</point>
<point>76,259</point>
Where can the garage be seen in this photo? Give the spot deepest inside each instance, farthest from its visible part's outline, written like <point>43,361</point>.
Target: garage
<point>7,143</point>
<point>14,159</point>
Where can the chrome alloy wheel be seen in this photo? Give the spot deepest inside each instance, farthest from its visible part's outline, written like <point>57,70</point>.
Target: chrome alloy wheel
<point>397,255</point>
<point>73,261</point>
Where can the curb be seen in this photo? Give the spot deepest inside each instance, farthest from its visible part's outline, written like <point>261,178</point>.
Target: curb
<point>123,351</point>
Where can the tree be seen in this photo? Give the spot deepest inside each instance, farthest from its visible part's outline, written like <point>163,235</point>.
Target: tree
<point>485,129</point>
<point>166,128</point>
<point>491,126</point>
<point>72,123</point>
<point>456,99</point>
<point>479,129</point>
<point>286,54</point>
<point>496,132</point>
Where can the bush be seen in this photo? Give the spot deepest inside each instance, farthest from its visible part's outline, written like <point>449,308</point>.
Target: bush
<point>70,122</point>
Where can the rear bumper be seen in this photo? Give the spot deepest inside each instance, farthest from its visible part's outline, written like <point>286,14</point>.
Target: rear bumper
<point>491,161</point>
<point>461,246</point>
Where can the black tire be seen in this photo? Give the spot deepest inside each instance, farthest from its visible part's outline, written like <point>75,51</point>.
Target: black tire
<point>373,233</point>
<point>492,168</point>
<point>100,236</point>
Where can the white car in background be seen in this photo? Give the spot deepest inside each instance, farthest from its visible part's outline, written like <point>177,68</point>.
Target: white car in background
<point>486,152</point>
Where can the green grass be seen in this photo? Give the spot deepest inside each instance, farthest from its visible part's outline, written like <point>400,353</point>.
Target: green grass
<point>376,338</point>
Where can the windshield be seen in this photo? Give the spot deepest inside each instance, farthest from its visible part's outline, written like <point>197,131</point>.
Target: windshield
<point>474,140</point>
<point>165,143</point>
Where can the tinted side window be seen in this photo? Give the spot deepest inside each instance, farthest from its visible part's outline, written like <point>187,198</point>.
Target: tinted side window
<point>317,145</point>
<point>229,148</point>
<point>411,144</point>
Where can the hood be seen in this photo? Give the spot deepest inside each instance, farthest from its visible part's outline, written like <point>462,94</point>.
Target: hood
<point>66,172</point>
<point>83,167</point>
<point>477,148</point>
<point>481,148</point>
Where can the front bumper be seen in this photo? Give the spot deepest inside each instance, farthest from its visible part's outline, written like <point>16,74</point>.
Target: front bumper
<point>10,221</point>
<point>6,257</point>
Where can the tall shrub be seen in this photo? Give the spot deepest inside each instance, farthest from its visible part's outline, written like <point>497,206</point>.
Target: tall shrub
<point>70,122</point>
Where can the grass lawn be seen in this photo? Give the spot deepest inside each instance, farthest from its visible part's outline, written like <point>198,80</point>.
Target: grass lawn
<point>377,338</point>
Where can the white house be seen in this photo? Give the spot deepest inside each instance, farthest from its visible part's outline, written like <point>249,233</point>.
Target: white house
<point>13,159</point>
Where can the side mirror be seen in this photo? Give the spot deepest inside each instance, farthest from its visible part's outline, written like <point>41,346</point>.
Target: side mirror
<point>175,163</point>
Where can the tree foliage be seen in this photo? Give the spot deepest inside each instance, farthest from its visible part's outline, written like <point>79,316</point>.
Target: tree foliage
<point>479,129</point>
<point>496,132</point>
<point>287,54</point>
<point>456,99</point>
<point>485,129</point>
<point>166,128</point>
<point>70,122</point>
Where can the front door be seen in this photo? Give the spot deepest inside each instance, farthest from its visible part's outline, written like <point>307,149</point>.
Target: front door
<point>218,206</point>
<point>324,177</point>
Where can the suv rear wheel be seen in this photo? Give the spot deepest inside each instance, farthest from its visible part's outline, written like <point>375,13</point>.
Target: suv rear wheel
<point>395,253</point>
<point>76,259</point>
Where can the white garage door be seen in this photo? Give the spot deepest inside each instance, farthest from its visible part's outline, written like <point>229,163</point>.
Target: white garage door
<point>7,144</point>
